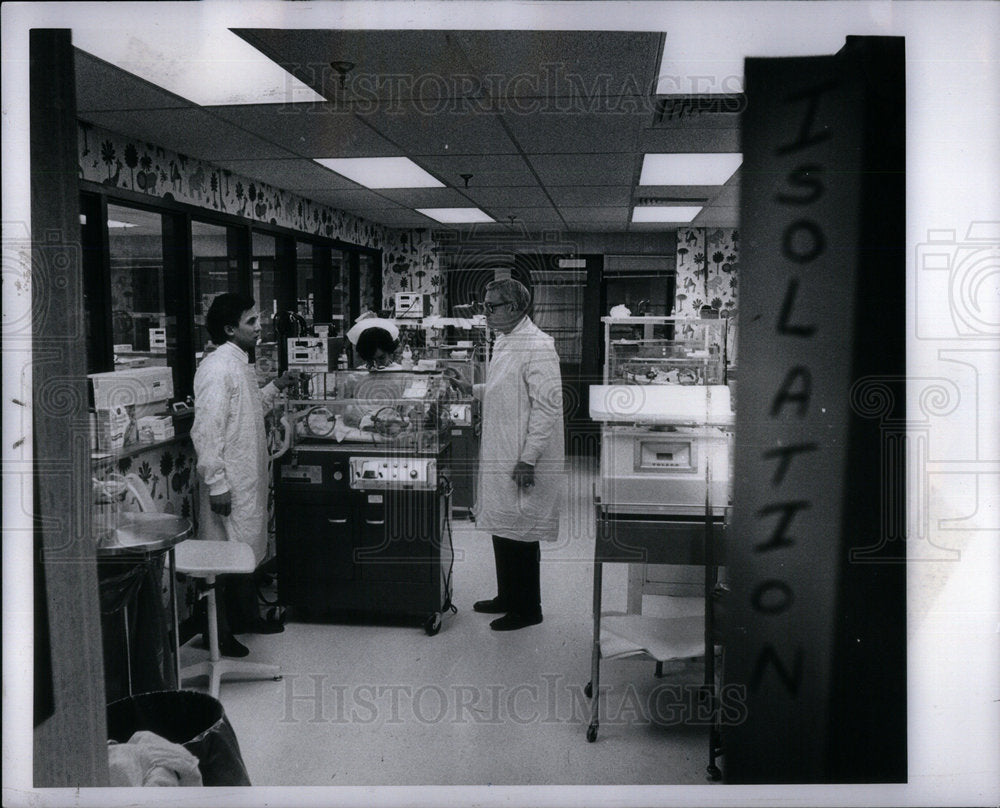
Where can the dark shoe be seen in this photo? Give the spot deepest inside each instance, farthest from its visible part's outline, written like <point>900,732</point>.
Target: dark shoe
<point>231,647</point>
<point>263,626</point>
<point>493,606</point>
<point>512,621</point>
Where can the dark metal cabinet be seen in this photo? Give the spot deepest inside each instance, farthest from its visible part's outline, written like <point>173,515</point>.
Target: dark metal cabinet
<point>348,553</point>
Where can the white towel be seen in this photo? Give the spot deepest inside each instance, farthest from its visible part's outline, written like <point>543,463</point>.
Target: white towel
<point>149,760</point>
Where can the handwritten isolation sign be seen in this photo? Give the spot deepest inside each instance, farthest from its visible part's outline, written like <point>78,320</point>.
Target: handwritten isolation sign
<point>801,185</point>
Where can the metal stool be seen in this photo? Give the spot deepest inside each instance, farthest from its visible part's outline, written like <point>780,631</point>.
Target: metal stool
<point>206,560</point>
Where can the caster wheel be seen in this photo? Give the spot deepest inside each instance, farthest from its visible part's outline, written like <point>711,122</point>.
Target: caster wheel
<point>277,678</point>
<point>592,733</point>
<point>588,691</point>
<point>433,624</point>
<point>714,774</point>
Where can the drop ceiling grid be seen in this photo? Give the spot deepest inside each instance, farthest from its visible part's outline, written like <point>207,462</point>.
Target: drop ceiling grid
<point>582,159</point>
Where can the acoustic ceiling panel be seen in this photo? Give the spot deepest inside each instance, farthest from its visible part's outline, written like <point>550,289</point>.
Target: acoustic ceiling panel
<point>193,131</point>
<point>519,196</point>
<point>388,68</point>
<point>102,86</point>
<point>428,197</point>
<point>310,130</point>
<point>351,200</point>
<point>487,170</point>
<point>583,67</point>
<point>581,133</point>
<point>582,216</point>
<point>445,132</point>
<point>683,141</point>
<point>601,169</point>
<point>591,195</point>
<point>293,174</point>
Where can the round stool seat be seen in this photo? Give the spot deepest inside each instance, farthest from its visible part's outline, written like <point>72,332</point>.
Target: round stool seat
<point>200,558</point>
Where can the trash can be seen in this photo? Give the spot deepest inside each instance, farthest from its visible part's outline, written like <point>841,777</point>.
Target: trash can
<point>194,720</point>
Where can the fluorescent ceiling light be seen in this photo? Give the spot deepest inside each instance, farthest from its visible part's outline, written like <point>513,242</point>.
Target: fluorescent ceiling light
<point>689,169</point>
<point>113,223</point>
<point>382,172</point>
<point>456,215</point>
<point>209,66</point>
<point>664,213</point>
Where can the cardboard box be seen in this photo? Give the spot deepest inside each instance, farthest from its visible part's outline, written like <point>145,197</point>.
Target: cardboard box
<point>135,386</point>
<point>155,428</point>
<point>112,426</point>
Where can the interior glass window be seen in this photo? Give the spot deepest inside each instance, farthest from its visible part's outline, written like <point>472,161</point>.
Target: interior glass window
<point>143,323</point>
<point>214,273</point>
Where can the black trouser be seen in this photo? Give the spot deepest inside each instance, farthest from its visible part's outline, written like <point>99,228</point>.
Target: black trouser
<point>237,598</point>
<point>518,585</point>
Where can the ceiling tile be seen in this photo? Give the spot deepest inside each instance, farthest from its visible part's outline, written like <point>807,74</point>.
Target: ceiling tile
<point>350,200</point>
<point>443,133</point>
<point>293,174</point>
<point>682,141</point>
<point>488,170</point>
<point>193,132</point>
<point>526,216</point>
<point>582,65</point>
<point>597,169</point>
<point>581,216</point>
<point>396,217</point>
<point>310,130</point>
<point>718,217</point>
<point>586,133</point>
<point>102,86</point>
<point>390,66</point>
<point>427,197</point>
<point>519,196</point>
<point>592,195</point>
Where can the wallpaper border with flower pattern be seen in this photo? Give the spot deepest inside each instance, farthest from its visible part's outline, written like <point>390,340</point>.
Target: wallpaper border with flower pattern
<point>158,172</point>
<point>708,260</point>
<point>409,259</point>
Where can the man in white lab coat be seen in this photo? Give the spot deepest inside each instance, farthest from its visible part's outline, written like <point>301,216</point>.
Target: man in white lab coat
<point>230,443</point>
<point>521,473</point>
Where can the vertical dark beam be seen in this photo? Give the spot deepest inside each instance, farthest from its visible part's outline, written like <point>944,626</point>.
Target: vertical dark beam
<point>239,249</point>
<point>868,700</point>
<point>804,640</point>
<point>70,748</point>
<point>178,292</point>
<point>97,282</point>
<point>285,268</point>
<point>322,283</point>
<point>592,366</point>
<point>353,258</point>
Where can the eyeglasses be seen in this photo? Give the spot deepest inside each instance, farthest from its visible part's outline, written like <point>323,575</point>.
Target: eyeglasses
<point>491,307</point>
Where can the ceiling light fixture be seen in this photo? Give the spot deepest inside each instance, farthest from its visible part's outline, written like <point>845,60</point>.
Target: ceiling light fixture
<point>215,68</point>
<point>665,213</point>
<point>381,172</point>
<point>689,169</point>
<point>456,215</point>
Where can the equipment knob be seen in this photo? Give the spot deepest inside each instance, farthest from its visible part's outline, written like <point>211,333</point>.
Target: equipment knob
<point>413,473</point>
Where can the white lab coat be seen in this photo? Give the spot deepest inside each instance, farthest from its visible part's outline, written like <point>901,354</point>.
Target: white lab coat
<point>522,420</point>
<point>230,443</point>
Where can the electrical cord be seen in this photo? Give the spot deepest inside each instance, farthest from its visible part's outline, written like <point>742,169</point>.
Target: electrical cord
<point>448,605</point>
